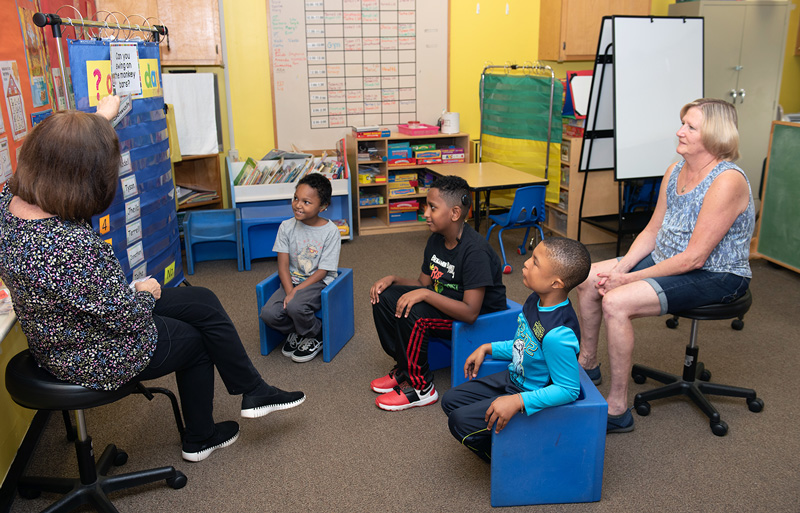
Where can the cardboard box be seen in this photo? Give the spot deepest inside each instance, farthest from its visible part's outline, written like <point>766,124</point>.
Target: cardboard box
<point>399,217</point>
<point>402,162</point>
<point>427,154</point>
<point>429,161</point>
<point>399,153</point>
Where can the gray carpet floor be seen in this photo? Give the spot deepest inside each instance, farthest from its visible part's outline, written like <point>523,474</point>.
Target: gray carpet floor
<point>338,452</point>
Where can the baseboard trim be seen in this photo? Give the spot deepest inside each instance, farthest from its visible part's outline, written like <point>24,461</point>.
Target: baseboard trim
<point>8,490</point>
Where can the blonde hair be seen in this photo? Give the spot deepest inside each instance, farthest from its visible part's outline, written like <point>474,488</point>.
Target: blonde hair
<point>719,133</point>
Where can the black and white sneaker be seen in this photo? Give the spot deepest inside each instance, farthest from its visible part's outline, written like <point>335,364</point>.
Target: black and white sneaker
<point>307,350</point>
<point>225,433</point>
<point>290,346</point>
<point>254,406</point>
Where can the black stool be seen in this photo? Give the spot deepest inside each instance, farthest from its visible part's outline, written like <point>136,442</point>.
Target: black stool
<point>35,388</point>
<point>694,370</point>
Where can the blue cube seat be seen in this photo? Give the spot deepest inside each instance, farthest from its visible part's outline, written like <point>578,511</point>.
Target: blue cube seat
<point>337,314</point>
<point>466,338</point>
<point>553,456</point>
<point>212,235</point>
<point>260,228</point>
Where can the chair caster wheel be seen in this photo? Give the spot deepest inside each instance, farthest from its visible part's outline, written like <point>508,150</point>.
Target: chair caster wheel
<point>737,324</point>
<point>672,323</point>
<point>755,405</point>
<point>28,492</point>
<point>521,250</point>
<point>178,481</point>
<point>719,428</point>
<point>120,458</point>
<point>643,409</point>
<point>507,269</point>
<point>639,378</point>
<point>705,375</point>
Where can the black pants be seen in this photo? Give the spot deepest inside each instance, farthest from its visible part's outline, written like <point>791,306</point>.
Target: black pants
<point>195,335</point>
<point>466,405</point>
<point>406,338</point>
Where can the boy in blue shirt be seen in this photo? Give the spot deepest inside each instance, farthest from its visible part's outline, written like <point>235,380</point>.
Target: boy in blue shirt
<point>544,367</point>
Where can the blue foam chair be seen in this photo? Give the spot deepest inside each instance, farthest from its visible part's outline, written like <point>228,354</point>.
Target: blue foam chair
<point>526,211</point>
<point>260,228</point>
<point>553,456</point>
<point>212,235</point>
<point>338,323</point>
<point>465,338</point>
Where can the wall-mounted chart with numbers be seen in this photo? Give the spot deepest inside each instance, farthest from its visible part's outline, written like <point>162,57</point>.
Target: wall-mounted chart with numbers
<point>343,63</point>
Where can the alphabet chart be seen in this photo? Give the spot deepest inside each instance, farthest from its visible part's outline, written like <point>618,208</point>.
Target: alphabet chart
<point>14,100</point>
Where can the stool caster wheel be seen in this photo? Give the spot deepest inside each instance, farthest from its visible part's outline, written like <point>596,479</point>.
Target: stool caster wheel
<point>672,323</point>
<point>705,375</point>
<point>28,492</point>
<point>178,481</point>
<point>643,409</point>
<point>639,378</point>
<point>755,405</point>
<point>507,269</point>
<point>120,458</point>
<point>719,428</point>
<point>737,324</point>
<point>521,250</point>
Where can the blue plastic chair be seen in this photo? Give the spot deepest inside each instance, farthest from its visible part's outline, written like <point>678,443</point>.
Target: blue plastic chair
<point>526,211</point>
<point>466,338</point>
<point>212,235</point>
<point>560,449</point>
<point>337,314</point>
<point>260,228</point>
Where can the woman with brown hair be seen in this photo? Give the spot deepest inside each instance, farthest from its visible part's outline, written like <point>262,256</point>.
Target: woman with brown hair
<point>84,323</point>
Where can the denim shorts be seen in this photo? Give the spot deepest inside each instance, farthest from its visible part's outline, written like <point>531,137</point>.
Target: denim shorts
<point>695,288</point>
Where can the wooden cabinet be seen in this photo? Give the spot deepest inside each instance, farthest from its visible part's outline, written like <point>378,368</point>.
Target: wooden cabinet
<point>374,219</point>
<point>743,55</point>
<point>199,173</point>
<point>569,29</point>
<point>601,198</point>
<point>194,29</point>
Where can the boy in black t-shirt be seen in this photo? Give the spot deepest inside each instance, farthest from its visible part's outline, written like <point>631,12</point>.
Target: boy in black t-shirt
<point>461,278</point>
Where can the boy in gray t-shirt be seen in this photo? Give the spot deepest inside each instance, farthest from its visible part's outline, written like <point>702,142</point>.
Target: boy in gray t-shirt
<point>308,258</point>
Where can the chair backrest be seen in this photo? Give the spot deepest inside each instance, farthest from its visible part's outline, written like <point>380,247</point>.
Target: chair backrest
<point>528,206</point>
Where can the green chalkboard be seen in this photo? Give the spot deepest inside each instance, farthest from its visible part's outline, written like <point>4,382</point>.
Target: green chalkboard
<point>779,223</point>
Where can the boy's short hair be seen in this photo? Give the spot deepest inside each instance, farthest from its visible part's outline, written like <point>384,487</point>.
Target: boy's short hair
<point>319,183</point>
<point>455,191</point>
<point>570,260</point>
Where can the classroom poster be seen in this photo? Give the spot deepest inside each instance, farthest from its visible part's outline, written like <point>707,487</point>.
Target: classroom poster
<point>5,160</point>
<point>35,53</point>
<point>2,125</point>
<point>14,101</point>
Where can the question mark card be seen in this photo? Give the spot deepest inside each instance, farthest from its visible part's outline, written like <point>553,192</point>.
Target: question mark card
<point>98,81</point>
<point>125,68</point>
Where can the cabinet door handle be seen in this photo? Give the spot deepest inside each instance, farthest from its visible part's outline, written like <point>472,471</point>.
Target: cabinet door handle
<point>741,96</point>
<point>733,95</point>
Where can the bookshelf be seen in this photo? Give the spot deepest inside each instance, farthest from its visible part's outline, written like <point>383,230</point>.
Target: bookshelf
<point>374,219</point>
<point>199,173</point>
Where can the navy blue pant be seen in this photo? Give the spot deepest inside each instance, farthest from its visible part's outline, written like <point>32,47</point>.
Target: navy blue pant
<point>195,335</point>
<point>466,405</point>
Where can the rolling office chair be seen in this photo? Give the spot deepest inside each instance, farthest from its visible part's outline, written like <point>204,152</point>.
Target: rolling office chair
<point>695,381</point>
<point>526,211</point>
<point>33,387</point>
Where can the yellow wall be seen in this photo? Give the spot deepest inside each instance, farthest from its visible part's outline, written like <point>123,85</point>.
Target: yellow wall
<point>15,420</point>
<point>475,39</point>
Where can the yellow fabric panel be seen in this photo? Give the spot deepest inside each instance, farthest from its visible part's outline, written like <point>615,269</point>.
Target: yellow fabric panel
<point>172,133</point>
<point>528,156</point>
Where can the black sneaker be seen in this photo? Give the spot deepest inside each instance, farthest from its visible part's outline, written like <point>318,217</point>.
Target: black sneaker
<point>225,433</point>
<point>307,350</point>
<point>290,345</point>
<point>254,406</point>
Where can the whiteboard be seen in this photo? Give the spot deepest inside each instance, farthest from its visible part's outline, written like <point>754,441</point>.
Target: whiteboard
<point>646,69</point>
<point>658,68</point>
<point>342,63</point>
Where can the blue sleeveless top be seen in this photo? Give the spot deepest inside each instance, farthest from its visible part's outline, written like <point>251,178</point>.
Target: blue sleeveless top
<point>732,253</point>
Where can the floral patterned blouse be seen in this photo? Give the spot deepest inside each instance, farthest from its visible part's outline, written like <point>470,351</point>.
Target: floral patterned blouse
<point>83,322</point>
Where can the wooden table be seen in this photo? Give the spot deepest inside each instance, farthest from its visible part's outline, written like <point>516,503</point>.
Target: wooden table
<point>487,177</point>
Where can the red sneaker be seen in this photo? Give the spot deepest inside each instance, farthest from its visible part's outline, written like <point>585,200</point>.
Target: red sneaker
<point>385,383</point>
<point>407,397</point>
